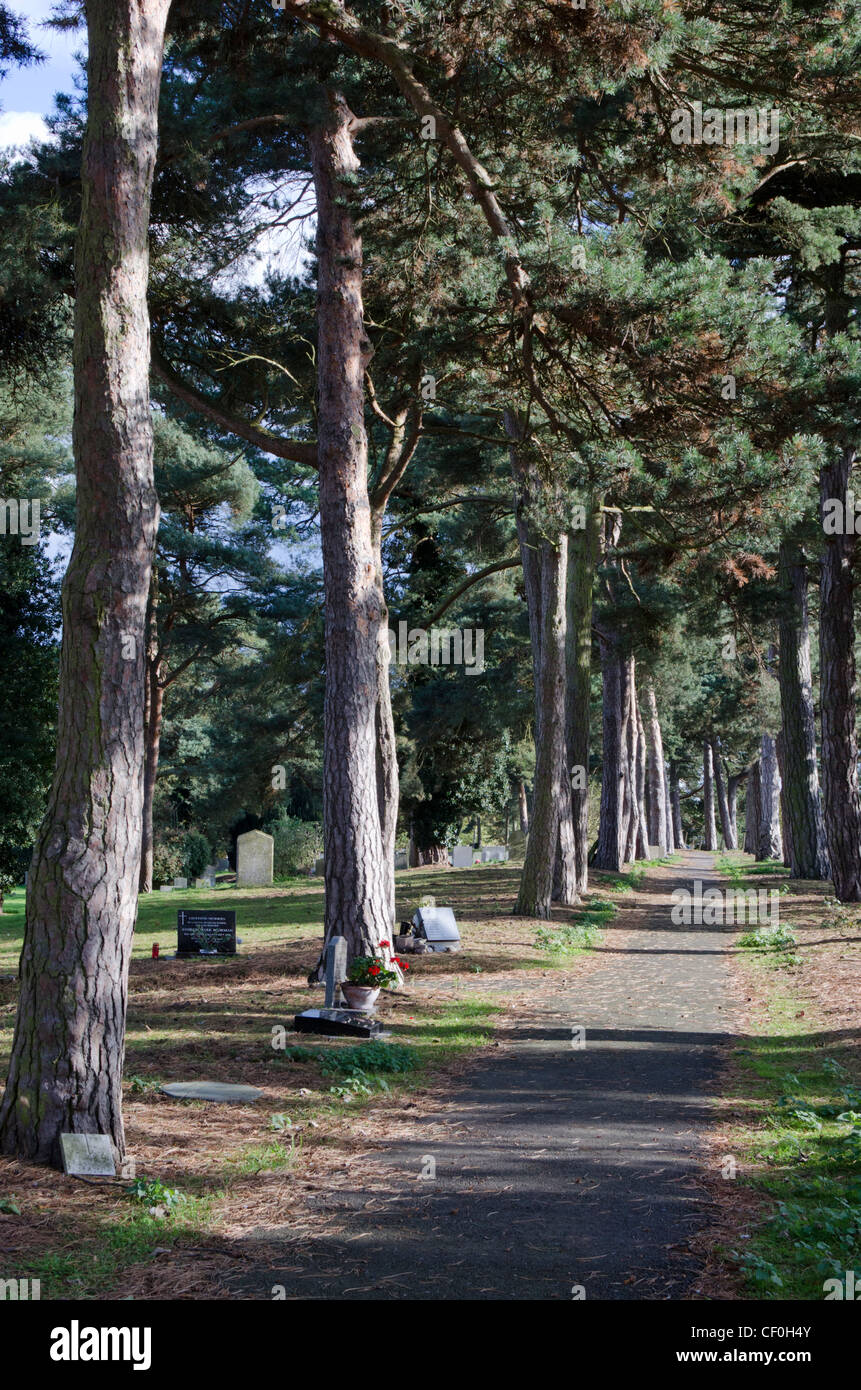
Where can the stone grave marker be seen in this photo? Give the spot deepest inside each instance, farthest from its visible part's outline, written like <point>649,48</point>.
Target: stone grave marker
<point>255,857</point>
<point>166,888</point>
<point>88,1155</point>
<point>336,970</point>
<point>461,857</point>
<point>401,859</point>
<point>335,1023</point>
<point>180,883</point>
<point>318,865</point>
<point>205,933</point>
<point>212,1090</point>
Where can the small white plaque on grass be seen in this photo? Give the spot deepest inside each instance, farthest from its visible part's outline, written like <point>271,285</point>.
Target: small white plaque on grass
<point>212,1090</point>
<point>88,1155</point>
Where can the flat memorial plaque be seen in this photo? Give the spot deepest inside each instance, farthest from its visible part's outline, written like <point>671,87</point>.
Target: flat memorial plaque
<point>88,1155</point>
<point>222,1091</point>
<point>339,1023</point>
<point>201,932</point>
<point>438,927</point>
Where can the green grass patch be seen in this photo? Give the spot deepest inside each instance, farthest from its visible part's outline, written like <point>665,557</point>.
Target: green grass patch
<point>582,935</point>
<point>803,1138</point>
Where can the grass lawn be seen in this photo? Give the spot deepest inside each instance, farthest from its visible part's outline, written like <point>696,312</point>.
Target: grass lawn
<point>796,1128</point>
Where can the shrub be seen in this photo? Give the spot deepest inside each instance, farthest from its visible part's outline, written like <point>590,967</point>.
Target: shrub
<point>166,860</point>
<point>297,844</point>
<point>196,853</point>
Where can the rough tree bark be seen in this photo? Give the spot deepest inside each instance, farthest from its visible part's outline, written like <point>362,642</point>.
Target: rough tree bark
<point>523,808</point>
<point>612,828</point>
<point>841,802</point>
<point>642,845</point>
<point>657,796</point>
<point>583,548</point>
<point>668,812</point>
<point>550,793</point>
<point>770,845</point>
<point>732,786</point>
<point>710,829</point>
<point>803,819</point>
<point>358,888</point>
<point>676,803</point>
<point>752,802</point>
<point>65,1071</point>
<point>726,823</point>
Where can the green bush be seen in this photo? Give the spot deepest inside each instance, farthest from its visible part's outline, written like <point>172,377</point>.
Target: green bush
<point>166,861</point>
<point>297,844</point>
<point>196,853</point>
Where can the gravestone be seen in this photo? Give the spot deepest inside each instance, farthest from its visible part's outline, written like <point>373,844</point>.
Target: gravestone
<point>166,888</point>
<point>221,1091</point>
<point>180,883</point>
<point>494,854</point>
<point>318,865</point>
<point>401,859</point>
<point>205,933</point>
<point>255,855</point>
<point>336,970</point>
<point>339,1023</point>
<point>222,865</point>
<point>438,927</point>
<point>461,857</point>
<point>88,1155</point>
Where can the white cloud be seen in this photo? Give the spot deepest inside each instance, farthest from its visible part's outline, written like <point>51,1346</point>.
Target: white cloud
<point>19,127</point>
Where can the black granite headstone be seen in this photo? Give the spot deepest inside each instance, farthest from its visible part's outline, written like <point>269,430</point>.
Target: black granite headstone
<point>203,933</point>
<point>339,1023</point>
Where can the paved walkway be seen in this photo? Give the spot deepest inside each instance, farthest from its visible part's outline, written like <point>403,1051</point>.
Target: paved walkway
<point>555,1165</point>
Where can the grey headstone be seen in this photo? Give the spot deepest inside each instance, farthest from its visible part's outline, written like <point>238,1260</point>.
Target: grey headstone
<point>212,1090</point>
<point>180,883</point>
<point>401,859</point>
<point>222,866</point>
<point>166,888</point>
<point>336,970</point>
<point>255,856</point>
<point>88,1155</point>
<point>461,857</point>
<point>318,865</point>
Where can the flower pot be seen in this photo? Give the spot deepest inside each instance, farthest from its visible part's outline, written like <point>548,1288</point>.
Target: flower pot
<point>362,998</point>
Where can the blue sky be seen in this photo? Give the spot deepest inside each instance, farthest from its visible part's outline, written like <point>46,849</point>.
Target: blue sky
<point>27,94</point>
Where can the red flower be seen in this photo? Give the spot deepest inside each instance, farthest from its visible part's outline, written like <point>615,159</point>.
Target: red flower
<point>385,943</point>
<point>374,970</point>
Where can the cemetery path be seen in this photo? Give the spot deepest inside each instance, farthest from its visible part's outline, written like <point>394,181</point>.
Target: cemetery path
<point>555,1166</point>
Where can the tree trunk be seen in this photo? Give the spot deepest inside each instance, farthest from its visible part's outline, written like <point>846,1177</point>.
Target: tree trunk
<point>784,821</point>
<point>726,824</point>
<point>841,801</point>
<point>523,808</point>
<point>582,562</point>
<point>804,825</point>
<point>388,782</point>
<point>710,829</point>
<point>753,798</point>
<point>657,799</point>
<point>668,812</point>
<point>551,802</point>
<point>65,1072</point>
<point>432,854</point>
<point>676,802</point>
<point>612,829</point>
<point>770,844</point>
<point>642,845</point>
<point>153,721</point>
<point>732,802</point>
<point>358,874</point>
<point>842,806</point>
